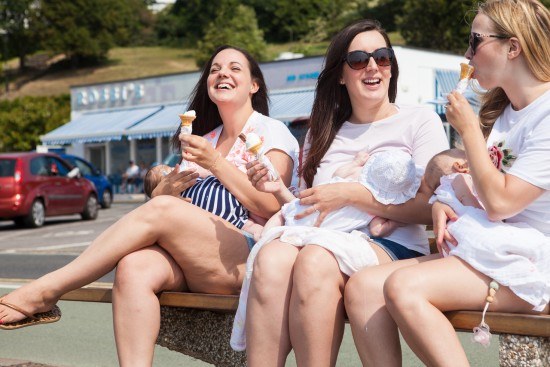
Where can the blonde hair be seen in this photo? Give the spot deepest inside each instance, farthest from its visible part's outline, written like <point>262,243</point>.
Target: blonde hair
<point>529,22</point>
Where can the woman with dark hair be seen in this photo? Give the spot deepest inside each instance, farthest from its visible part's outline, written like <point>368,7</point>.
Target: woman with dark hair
<point>296,294</point>
<point>169,243</point>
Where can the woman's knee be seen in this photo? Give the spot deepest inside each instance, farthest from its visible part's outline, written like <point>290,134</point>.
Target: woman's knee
<point>364,288</point>
<point>272,270</point>
<point>145,269</point>
<point>164,206</point>
<point>272,266</point>
<point>402,290</point>
<point>316,270</point>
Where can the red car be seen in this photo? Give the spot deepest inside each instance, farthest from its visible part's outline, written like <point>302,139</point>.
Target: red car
<point>34,186</point>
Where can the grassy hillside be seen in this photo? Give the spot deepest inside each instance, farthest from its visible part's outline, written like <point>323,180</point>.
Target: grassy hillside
<point>126,63</point>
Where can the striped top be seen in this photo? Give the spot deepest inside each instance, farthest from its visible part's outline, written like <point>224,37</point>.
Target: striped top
<point>211,195</point>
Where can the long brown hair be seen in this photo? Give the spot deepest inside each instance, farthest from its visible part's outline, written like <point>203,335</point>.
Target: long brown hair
<point>208,116</point>
<point>529,22</point>
<point>332,105</point>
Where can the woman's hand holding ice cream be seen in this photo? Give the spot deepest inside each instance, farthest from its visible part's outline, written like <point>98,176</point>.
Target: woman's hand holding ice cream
<point>254,145</point>
<point>200,151</point>
<point>186,128</point>
<point>458,111</point>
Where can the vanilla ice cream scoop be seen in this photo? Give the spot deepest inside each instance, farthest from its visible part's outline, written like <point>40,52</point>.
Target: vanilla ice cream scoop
<point>187,118</point>
<point>254,145</point>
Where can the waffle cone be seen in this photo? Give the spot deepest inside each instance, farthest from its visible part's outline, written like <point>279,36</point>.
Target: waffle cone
<point>255,149</point>
<point>186,120</point>
<point>466,71</point>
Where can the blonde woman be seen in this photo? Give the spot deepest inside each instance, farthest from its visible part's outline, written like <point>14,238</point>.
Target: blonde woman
<point>510,50</point>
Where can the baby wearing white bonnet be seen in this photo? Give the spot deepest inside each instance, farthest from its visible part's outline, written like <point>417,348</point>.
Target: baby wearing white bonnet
<point>391,177</point>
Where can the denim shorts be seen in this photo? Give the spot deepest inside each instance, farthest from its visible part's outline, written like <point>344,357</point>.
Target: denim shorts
<point>395,250</point>
<point>249,239</point>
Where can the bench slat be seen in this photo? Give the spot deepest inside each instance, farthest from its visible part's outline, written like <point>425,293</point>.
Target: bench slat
<point>501,323</point>
<point>214,302</point>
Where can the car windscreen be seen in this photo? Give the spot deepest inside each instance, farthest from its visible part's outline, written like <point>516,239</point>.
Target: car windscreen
<point>7,167</point>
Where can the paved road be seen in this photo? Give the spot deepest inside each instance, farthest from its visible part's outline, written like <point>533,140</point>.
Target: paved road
<point>84,336</point>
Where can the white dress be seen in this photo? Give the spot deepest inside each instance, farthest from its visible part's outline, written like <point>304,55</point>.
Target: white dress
<point>516,255</point>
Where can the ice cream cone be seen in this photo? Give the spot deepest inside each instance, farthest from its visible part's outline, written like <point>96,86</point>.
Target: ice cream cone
<point>253,143</point>
<point>466,71</point>
<point>187,118</point>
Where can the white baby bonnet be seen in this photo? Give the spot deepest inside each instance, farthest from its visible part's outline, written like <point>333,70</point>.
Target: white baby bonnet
<point>391,176</point>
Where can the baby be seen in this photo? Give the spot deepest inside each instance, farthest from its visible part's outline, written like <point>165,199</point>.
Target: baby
<point>253,224</point>
<point>513,254</point>
<point>392,178</point>
<point>154,176</point>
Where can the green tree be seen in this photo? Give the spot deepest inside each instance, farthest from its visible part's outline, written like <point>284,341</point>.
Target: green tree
<point>436,24</point>
<point>87,29</point>
<point>236,26</point>
<point>385,11</point>
<point>290,20</point>
<point>184,22</point>
<point>24,120</point>
<point>15,21</point>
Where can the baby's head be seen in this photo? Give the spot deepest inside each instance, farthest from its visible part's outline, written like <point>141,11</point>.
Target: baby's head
<point>444,163</point>
<point>154,176</point>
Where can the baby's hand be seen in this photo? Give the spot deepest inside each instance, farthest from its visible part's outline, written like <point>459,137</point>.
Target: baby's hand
<point>361,158</point>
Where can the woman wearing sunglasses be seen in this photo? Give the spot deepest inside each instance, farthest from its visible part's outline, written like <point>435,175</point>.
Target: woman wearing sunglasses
<point>510,50</point>
<point>296,294</point>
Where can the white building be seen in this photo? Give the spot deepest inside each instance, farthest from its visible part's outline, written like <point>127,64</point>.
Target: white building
<point>134,119</point>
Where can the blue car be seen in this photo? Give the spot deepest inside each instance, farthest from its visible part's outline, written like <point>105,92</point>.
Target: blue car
<point>101,182</point>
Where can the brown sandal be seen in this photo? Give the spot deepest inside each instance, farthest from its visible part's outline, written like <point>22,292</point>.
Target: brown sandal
<point>47,317</point>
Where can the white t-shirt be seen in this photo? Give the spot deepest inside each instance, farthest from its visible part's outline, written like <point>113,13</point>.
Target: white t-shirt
<point>416,130</point>
<point>526,133</point>
<point>274,134</point>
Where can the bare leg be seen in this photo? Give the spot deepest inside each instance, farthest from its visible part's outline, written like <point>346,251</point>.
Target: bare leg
<point>211,251</point>
<point>136,309</point>
<point>417,295</point>
<point>316,307</point>
<point>374,332</point>
<point>267,336</point>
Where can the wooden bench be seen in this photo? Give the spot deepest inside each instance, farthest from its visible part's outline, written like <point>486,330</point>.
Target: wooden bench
<point>199,325</point>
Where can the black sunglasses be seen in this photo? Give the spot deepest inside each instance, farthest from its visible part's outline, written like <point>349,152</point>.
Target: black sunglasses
<point>358,60</point>
<point>475,39</point>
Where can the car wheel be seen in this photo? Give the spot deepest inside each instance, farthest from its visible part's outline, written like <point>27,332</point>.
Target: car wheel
<point>107,199</point>
<point>90,209</point>
<point>36,216</point>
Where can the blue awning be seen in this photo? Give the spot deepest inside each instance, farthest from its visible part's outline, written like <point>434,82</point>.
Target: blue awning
<point>445,82</point>
<point>163,123</point>
<point>98,126</point>
<point>291,104</point>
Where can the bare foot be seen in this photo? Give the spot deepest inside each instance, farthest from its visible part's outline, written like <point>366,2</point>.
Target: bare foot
<point>28,299</point>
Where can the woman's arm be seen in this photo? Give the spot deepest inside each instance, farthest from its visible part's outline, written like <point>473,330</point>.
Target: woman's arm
<point>503,196</point>
<point>200,151</point>
<point>330,197</point>
<point>261,203</point>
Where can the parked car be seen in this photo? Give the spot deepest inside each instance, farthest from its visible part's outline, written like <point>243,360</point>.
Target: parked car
<point>34,186</point>
<point>101,182</point>
<point>172,159</point>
